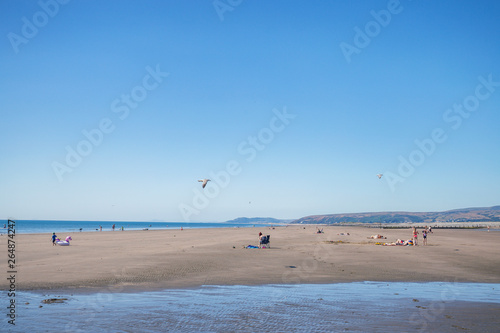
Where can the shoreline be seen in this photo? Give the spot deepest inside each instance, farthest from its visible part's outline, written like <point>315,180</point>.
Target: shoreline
<point>133,290</point>
<point>157,226</point>
<point>134,261</point>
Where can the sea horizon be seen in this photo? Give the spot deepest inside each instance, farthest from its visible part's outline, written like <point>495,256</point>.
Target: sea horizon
<point>60,226</point>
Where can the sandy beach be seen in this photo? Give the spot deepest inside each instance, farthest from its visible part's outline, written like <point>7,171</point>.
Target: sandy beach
<point>148,260</point>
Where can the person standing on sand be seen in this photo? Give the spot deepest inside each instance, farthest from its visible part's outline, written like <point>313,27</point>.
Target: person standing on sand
<point>113,227</point>
<point>424,235</point>
<point>54,237</point>
<point>415,236</point>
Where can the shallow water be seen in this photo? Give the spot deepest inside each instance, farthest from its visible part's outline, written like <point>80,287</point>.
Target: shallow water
<point>350,307</point>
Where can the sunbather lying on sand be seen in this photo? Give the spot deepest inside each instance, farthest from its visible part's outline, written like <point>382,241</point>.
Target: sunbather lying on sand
<point>398,242</point>
<point>377,236</point>
<point>404,242</point>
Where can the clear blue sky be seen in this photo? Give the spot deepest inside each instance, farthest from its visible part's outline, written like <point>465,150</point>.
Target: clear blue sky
<point>307,101</point>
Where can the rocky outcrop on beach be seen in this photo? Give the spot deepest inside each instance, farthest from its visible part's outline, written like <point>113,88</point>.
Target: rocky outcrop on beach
<point>54,300</point>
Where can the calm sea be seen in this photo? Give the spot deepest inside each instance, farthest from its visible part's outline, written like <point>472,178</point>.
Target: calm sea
<point>50,226</point>
<point>41,226</point>
<point>342,307</point>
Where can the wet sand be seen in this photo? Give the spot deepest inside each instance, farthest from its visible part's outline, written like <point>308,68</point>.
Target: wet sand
<point>340,307</point>
<point>148,260</point>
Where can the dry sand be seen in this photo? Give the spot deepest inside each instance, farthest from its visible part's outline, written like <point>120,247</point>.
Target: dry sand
<point>145,260</point>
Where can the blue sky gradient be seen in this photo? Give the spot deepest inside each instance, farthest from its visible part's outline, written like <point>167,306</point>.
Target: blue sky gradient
<point>265,86</point>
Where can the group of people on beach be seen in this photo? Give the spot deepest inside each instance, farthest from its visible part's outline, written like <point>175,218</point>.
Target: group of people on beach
<point>413,241</point>
<point>425,232</point>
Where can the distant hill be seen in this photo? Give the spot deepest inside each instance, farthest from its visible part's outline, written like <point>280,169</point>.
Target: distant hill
<point>258,220</point>
<point>484,214</point>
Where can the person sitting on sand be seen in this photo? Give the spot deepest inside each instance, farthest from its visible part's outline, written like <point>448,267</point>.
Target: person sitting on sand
<point>264,241</point>
<point>261,239</point>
